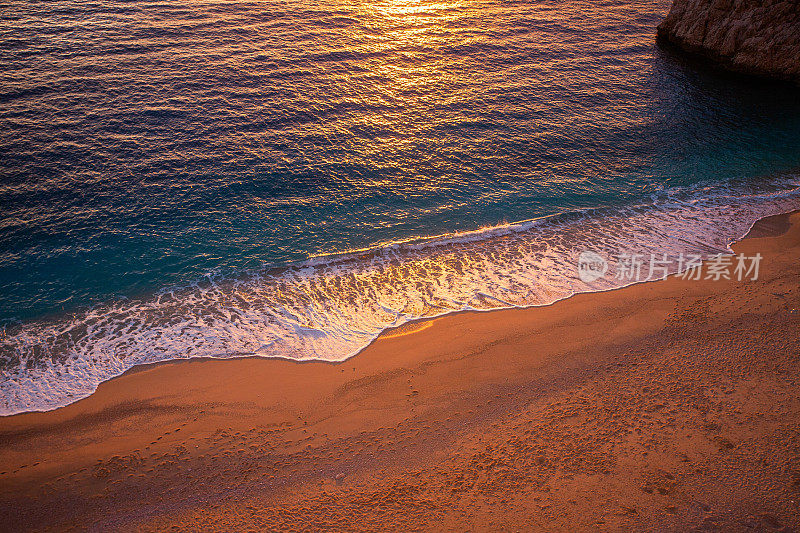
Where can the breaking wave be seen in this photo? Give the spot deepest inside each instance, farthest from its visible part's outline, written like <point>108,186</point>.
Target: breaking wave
<point>329,308</point>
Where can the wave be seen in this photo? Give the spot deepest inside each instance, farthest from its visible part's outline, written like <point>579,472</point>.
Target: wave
<point>329,308</point>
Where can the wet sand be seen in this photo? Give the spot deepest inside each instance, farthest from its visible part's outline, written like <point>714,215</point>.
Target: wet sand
<point>672,405</point>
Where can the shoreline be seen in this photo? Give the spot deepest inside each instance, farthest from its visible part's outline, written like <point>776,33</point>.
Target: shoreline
<point>475,404</point>
<point>773,225</point>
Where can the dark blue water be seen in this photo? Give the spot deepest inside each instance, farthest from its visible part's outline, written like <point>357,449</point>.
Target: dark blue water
<point>159,160</point>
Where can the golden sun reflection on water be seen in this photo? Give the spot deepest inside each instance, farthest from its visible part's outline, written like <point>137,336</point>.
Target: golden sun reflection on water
<point>411,7</point>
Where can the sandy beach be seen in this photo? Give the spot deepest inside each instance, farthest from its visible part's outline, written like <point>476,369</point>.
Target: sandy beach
<point>671,406</point>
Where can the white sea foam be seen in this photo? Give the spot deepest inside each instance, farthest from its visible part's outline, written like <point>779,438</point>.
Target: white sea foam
<point>330,308</point>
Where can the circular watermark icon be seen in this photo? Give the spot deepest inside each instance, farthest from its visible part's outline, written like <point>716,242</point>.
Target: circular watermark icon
<point>591,266</point>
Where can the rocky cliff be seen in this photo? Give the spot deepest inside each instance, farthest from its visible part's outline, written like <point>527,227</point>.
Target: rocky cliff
<point>759,37</point>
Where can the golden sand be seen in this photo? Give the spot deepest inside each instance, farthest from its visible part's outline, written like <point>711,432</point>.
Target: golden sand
<point>669,405</point>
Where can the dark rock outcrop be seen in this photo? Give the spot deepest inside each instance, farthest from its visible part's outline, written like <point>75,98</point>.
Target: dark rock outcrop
<point>757,37</point>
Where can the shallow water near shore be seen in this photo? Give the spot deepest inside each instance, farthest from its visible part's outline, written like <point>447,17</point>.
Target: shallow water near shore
<point>219,180</point>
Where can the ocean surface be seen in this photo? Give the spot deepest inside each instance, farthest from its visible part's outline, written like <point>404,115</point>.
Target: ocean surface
<point>288,179</point>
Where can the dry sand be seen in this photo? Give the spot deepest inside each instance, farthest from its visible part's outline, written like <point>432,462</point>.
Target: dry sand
<point>672,405</point>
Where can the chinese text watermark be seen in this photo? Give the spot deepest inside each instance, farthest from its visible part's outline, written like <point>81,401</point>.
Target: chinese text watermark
<point>645,267</point>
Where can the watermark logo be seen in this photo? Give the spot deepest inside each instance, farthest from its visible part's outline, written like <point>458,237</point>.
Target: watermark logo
<point>639,267</point>
<point>591,266</point>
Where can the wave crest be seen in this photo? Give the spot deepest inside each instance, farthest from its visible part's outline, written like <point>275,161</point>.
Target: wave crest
<point>330,308</point>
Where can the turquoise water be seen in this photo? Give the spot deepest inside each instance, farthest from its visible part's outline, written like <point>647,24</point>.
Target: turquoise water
<point>177,178</point>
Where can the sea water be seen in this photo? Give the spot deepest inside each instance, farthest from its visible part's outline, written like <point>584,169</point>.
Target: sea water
<point>288,179</point>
